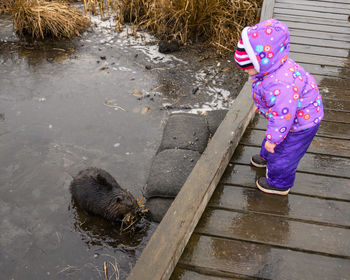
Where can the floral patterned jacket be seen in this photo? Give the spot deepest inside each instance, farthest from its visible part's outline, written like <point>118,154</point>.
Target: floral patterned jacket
<point>282,90</point>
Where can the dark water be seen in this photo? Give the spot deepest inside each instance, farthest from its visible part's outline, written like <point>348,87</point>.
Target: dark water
<point>68,105</point>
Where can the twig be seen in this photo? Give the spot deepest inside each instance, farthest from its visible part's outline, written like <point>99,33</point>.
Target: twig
<point>114,106</point>
<point>129,226</point>
<point>157,87</point>
<point>68,267</point>
<point>105,269</point>
<point>114,267</point>
<point>221,46</point>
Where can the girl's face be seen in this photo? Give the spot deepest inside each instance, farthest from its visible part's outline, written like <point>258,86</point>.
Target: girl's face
<point>251,72</point>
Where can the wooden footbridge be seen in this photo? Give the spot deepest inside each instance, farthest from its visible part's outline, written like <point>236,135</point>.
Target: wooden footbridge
<point>221,227</point>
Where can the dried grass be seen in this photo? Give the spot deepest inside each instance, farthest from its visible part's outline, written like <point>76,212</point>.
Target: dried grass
<point>5,6</point>
<point>218,22</point>
<point>111,270</point>
<point>40,19</point>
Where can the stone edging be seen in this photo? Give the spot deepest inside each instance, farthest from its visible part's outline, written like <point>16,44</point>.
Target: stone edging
<point>167,243</point>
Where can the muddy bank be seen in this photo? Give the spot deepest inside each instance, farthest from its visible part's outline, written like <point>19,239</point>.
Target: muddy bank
<point>99,100</point>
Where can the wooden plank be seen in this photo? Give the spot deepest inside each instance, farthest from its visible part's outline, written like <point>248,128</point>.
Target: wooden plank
<point>345,7</point>
<point>284,233</point>
<point>319,34</point>
<point>319,3</point>
<point>320,60</point>
<point>163,250</point>
<point>305,184</point>
<point>330,146</point>
<point>294,207</point>
<point>331,52</point>
<point>336,104</point>
<point>257,261</point>
<point>317,27</point>
<point>335,94</point>
<point>326,129</point>
<point>332,16</point>
<point>325,70</point>
<point>267,9</point>
<point>186,274</point>
<point>332,82</point>
<point>321,9</point>
<point>332,1</point>
<point>319,42</point>
<point>310,163</point>
<point>334,116</point>
<point>319,145</point>
<point>308,19</point>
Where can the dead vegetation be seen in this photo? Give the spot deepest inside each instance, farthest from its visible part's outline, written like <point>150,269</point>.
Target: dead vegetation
<point>5,6</point>
<point>40,19</point>
<point>218,22</point>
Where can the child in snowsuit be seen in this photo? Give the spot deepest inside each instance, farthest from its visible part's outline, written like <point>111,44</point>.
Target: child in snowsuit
<point>286,95</point>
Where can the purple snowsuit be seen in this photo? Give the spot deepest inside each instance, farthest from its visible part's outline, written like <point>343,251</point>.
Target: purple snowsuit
<point>286,95</point>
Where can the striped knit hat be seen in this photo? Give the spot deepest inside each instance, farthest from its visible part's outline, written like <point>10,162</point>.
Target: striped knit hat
<point>241,57</point>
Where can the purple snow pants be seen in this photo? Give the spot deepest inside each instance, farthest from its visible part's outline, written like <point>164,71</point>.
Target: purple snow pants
<point>282,164</point>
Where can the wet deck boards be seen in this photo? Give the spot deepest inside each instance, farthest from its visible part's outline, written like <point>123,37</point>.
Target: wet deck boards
<point>246,234</point>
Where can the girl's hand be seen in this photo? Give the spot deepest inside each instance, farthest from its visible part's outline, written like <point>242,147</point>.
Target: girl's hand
<point>270,147</point>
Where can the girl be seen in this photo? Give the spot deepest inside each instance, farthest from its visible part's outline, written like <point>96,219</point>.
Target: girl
<point>286,95</point>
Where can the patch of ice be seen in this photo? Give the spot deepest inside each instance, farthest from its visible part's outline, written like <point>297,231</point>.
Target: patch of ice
<point>200,76</point>
<point>142,41</point>
<point>220,101</point>
<point>166,104</point>
<point>221,92</point>
<point>103,24</point>
<point>154,93</point>
<point>121,68</point>
<point>152,52</point>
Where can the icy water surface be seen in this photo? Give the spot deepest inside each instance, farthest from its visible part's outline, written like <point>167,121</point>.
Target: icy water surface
<point>99,100</point>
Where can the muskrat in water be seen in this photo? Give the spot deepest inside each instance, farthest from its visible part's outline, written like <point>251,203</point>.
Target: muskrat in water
<point>97,192</point>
